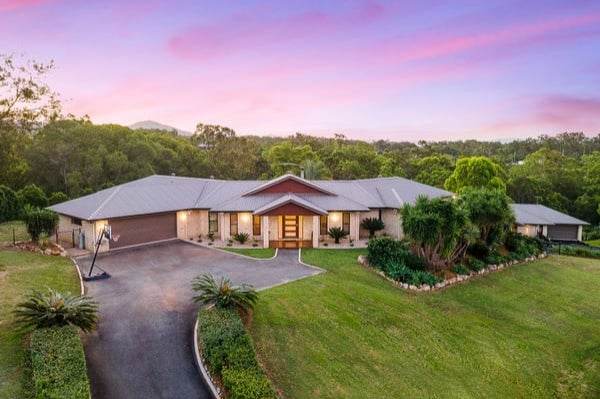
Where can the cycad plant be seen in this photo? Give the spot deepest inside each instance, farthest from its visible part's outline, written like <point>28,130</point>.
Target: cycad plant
<point>223,293</point>
<point>337,233</point>
<point>373,225</point>
<point>53,308</point>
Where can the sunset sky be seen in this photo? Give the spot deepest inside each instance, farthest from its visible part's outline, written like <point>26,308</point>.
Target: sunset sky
<point>399,70</point>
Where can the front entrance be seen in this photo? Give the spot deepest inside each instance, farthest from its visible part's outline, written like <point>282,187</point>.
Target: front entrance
<point>290,227</point>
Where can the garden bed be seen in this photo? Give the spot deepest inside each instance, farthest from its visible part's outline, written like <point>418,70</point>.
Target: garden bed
<point>227,351</point>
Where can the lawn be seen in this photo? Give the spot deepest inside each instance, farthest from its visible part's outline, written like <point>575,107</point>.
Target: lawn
<point>19,273</point>
<point>6,231</point>
<point>259,253</point>
<point>595,243</point>
<point>530,331</point>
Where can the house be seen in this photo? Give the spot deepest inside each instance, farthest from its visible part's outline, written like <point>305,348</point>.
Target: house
<point>534,220</point>
<point>287,211</point>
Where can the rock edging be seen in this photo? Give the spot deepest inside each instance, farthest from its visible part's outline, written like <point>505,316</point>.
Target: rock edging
<point>362,260</point>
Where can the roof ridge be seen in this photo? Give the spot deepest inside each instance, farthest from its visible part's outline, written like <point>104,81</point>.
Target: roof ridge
<point>103,203</point>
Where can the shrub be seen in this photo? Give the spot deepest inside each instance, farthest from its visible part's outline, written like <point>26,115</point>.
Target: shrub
<point>211,236</point>
<point>39,221</point>
<point>490,211</point>
<point>589,232</point>
<point>337,233</point>
<point>223,294</point>
<point>229,353</point>
<point>478,249</point>
<point>384,250</point>
<point>476,264</point>
<point>404,274</point>
<point>57,198</point>
<point>9,204</point>
<point>420,277</point>
<point>576,250</point>
<point>373,225</point>
<point>241,237</point>
<point>53,308</point>
<point>461,269</point>
<point>33,196</point>
<point>58,364</point>
<point>246,384</point>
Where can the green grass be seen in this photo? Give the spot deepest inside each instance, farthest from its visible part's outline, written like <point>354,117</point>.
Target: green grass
<point>6,231</point>
<point>594,242</point>
<point>21,272</point>
<point>530,331</point>
<point>259,253</point>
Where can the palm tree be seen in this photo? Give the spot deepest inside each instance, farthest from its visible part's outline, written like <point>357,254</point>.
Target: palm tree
<point>223,294</point>
<point>53,308</point>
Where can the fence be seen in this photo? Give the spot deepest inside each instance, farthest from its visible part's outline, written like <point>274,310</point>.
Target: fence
<point>69,238</point>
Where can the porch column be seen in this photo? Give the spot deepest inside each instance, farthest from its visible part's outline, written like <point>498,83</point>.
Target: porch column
<point>222,225</point>
<point>315,231</point>
<point>264,229</point>
<point>354,225</point>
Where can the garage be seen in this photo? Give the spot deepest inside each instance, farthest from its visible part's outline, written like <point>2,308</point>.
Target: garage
<point>143,229</point>
<point>563,232</point>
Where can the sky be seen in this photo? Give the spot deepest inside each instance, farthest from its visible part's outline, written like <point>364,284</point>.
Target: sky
<point>398,70</point>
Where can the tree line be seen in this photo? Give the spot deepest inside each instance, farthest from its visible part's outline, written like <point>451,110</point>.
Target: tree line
<point>67,157</point>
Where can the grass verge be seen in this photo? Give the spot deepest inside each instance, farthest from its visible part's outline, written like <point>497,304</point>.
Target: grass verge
<point>20,272</point>
<point>528,331</point>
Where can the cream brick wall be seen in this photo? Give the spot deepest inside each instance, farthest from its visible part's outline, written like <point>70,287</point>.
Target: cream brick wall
<point>391,219</point>
<point>363,215</point>
<point>87,229</point>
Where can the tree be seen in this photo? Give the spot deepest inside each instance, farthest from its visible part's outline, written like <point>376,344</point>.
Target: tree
<point>223,294</point>
<point>287,157</point>
<point>207,136</point>
<point>438,230</point>
<point>57,197</point>
<point>9,204</point>
<point>33,196</point>
<point>39,221</point>
<point>489,210</point>
<point>315,169</point>
<point>433,170</point>
<point>42,310</point>
<point>373,225</point>
<point>352,161</point>
<point>475,172</point>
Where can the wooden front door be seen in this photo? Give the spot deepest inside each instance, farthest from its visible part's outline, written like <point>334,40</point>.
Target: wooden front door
<point>290,227</point>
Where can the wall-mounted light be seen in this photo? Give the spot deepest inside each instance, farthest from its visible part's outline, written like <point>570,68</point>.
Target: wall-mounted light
<point>335,217</point>
<point>245,217</point>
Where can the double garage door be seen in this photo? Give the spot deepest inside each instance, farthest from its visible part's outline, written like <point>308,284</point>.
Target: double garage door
<point>143,229</point>
<point>563,232</point>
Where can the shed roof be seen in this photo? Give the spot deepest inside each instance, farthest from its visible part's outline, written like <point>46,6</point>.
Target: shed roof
<point>539,214</point>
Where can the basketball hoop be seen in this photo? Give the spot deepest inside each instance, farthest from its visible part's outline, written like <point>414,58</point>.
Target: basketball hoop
<point>115,237</point>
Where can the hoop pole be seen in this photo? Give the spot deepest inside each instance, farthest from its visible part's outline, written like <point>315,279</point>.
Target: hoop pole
<point>96,252</point>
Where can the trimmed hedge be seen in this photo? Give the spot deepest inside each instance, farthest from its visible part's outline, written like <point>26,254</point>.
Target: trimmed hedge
<point>58,364</point>
<point>228,351</point>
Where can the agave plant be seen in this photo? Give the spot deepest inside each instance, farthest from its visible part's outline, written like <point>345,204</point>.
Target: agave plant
<point>53,308</point>
<point>223,293</point>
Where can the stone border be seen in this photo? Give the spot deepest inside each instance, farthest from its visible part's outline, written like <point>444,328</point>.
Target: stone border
<point>362,260</point>
<point>200,364</point>
<point>198,244</point>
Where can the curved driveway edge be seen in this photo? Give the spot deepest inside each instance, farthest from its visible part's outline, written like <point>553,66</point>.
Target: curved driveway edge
<point>142,348</point>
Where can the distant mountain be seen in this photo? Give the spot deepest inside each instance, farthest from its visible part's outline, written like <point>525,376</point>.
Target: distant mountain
<point>159,126</point>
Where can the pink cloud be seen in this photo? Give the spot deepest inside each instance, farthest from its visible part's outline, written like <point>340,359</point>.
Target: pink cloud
<point>247,32</point>
<point>12,5</point>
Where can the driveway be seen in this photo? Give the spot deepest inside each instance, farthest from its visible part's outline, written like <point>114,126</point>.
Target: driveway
<point>142,347</point>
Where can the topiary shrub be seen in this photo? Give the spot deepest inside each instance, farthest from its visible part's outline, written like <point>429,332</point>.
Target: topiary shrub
<point>9,204</point>
<point>337,233</point>
<point>241,237</point>
<point>39,221</point>
<point>373,225</point>
<point>58,364</point>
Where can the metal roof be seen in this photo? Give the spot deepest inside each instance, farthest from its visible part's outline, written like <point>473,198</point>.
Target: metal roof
<point>156,194</point>
<point>540,214</point>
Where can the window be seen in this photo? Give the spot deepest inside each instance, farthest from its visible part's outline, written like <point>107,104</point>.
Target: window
<point>346,222</point>
<point>380,214</point>
<point>256,225</point>
<point>233,224</point>
<point>323,223</point>
<point>76,221</point>
<point>213,222</point>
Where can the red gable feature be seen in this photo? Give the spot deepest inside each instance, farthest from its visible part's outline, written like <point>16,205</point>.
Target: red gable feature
<point>289,184</point>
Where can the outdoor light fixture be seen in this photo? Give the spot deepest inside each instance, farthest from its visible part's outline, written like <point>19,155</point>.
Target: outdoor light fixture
<point>335,216</point>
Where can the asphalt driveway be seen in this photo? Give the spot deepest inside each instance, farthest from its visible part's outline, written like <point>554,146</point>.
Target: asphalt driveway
<point>142,347</point>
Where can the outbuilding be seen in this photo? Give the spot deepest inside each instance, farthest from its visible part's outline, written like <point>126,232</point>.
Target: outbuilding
<point>539,220</point>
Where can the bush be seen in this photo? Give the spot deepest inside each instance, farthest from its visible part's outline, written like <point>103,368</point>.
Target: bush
<point>591,233</point>
<point>57,198</point>
<point>337,233</point>
<point>58,364</point>
<point>373,225</point>
<point>229,353</point>
<point>241,237</point>
<point>476,264</point>
<point>41,310</point>
<point>420,277</point>
<point>404,274</point>
<point>33,196</point>
<point>576,250</point>
<point>479,250</point>
<point>461,269</point>
<point>9,204</point>
<point>39,221</point>
<point>223,294</point>
<point>384,250</point>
